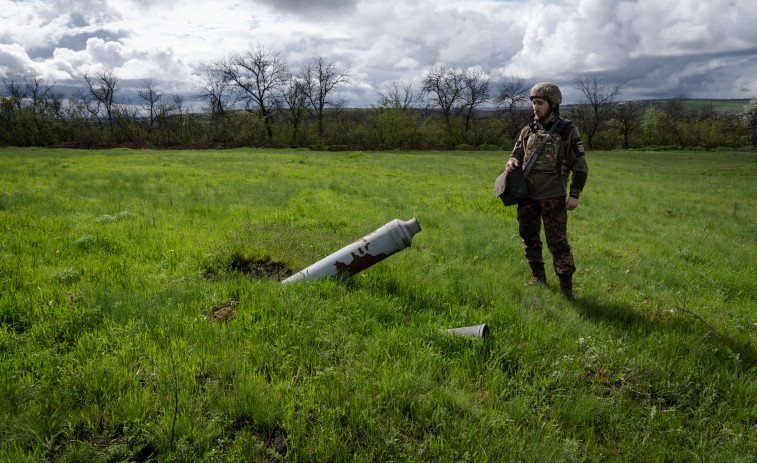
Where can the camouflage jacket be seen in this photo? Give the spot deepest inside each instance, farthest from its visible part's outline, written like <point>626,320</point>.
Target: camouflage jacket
<point>563,153</point>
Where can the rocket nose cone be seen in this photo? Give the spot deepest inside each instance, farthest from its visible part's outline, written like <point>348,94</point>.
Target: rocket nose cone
<point>412,226</point>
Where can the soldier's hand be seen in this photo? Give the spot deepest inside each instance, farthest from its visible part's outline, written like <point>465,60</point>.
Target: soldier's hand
<point>572,203</point>
<point>512,164</point>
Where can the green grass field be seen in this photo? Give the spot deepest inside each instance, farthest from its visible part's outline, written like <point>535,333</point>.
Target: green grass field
<point>142,319</point>
<point>735,105</point>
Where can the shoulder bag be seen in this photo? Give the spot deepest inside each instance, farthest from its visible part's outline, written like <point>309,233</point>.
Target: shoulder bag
<point>511,187</point>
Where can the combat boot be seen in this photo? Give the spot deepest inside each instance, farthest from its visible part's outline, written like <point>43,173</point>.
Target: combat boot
<point>539,276</point>
<point>566,285</point>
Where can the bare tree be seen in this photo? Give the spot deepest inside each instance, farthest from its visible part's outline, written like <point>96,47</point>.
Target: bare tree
<point>707,111</point>
<point>259,73</point>
<point>395,113</point>
<point>628,120</point>
<point>29,112</point>
<point>293,103</point>
<point>444,85</point>
<point>52,105</point>
<point>34,93</point>
<point>320,79</point>
<point>595,104</point>
<point>475,94</point>
<point>16,91</point>
<point>400,95</point>
<point>37,90</point>
<point>101,90</point>
<point>675,115</point>
<point>125,117</point>
<point>457,93</point>
<point>170,119</point>
<point>178,104</point>
<point>216,91</point>
<point>512,104</point>
<point>152,97</point>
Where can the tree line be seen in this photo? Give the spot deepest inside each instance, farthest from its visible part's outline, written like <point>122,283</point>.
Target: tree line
<point>252,98</point>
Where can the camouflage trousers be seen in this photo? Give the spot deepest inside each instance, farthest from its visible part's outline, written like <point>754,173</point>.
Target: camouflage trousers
<point>552,211</point>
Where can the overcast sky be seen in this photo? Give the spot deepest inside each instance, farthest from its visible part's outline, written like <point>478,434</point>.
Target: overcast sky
<point>662,48</point>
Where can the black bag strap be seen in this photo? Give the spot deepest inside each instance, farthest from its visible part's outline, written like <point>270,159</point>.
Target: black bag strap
<point>540,148</point>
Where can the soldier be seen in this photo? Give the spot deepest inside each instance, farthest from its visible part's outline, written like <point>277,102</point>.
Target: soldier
<point>562,154</point>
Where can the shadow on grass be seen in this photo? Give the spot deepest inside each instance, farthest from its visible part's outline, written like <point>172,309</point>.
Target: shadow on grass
<point>624,316</point>
<point>620,314</point>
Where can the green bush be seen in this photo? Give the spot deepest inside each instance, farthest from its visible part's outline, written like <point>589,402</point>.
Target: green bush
<point>604,140</point>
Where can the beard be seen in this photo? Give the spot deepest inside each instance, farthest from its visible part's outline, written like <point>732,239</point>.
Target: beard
<point>546,116</point>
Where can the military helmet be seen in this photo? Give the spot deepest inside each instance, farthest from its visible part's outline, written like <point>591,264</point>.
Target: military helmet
<point>547,91</point>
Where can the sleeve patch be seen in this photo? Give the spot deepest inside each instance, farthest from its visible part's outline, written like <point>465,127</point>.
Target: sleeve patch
<point>580,146</point>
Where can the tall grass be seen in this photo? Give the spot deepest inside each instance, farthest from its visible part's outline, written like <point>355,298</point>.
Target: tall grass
<point>130,330</point>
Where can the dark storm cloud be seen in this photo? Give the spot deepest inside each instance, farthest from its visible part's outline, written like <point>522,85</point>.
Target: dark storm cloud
<point>703,75</point>
<point>309,7</point>
<point>12,59</point>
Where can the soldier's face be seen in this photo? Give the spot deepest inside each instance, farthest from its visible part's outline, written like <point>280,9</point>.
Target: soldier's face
<point>542,110</point>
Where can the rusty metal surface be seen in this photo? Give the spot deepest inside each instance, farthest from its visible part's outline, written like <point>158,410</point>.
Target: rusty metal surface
<point>363,253</point>
<point>358,263</point>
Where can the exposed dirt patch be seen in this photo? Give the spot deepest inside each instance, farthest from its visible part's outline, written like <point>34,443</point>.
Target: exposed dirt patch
<point>145,452</point>
<point>278,440</point>
<point>224,312</point>
<point>275,438</point>
<point>260,267</point>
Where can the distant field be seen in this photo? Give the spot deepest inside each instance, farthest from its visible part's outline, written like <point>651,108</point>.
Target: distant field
<point>715,105</point>
<point>142,318</point>
<point>735,105</point>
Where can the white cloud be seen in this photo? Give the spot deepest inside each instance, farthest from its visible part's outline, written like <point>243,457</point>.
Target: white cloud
<point>12,57</point>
